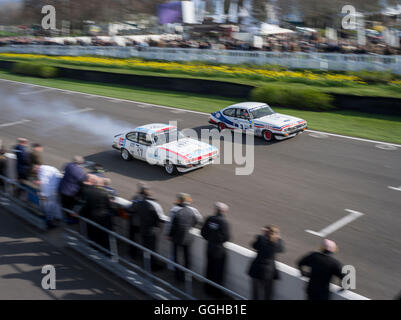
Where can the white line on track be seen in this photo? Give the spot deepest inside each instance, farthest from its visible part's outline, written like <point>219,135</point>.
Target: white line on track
<point>77,111</point>
<point>357,139</point>
<point>338,224</point>
<point>9,124</point>
<point>191,111</point>
<point>35,91</point>
<point>394,188</point>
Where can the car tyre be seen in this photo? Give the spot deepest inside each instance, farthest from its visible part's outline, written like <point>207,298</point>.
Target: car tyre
<point>170,168</point>
<point>267,135</point>
<point>125,155</point>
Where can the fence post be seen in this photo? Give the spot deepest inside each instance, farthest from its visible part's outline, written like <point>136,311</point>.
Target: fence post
<point>113,248</point>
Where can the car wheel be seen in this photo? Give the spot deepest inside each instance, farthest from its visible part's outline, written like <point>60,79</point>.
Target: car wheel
<point>125,154</point>
<point>267,135</point>
<point>222,126</point>
<point>170,168</point>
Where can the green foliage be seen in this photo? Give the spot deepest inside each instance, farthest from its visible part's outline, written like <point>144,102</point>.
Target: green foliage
<point>374,77</point>
<point>34,69</point>
<point>297,98</point>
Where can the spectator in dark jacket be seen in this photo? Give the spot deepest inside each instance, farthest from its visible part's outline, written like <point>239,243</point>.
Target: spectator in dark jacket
<point>70,184</point>
<point>151,216</point>
<point>97,207</point>
<point>182,219</point>
<point>263,268</point>
<point>134,234</point>
<point>323,266</point>
<point>216,231</point>
<point>22,155</point>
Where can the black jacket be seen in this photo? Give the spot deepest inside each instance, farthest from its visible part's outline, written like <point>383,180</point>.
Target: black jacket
<point>323,267</point>
<point>184,219</point>
<point>23,165</point>
<point>97,206</point>
<point>263,266</point>
<point>216,230</point>
<point>150,216</point>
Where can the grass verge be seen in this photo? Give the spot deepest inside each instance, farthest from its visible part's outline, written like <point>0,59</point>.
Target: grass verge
<point>372,90</point>
<point>351,123</point>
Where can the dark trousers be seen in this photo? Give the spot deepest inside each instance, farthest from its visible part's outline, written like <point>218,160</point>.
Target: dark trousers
<point>150,242</point>
<point>318,295</point>
<point>67,202</point>
<point>216,258</point>
<point>185,249</point>
<point>98,236</point>
<point>134,236</point>
<point>262,289</point>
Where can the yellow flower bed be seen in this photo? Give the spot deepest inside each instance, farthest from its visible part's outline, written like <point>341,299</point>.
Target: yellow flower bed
<point>235,71</point>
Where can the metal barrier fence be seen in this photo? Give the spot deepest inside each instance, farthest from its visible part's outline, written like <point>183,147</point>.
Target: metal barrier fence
<point>9,190</point>
<point>309,60</point>
<point>24,197</point>
<point>147,257</point>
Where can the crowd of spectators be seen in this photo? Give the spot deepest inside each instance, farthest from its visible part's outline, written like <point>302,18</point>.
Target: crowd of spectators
<point>293,42</point>
<point>88,194</point>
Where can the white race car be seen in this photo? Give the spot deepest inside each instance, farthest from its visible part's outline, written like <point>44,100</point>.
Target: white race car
<point>163,145</point>
<point>258,118</point>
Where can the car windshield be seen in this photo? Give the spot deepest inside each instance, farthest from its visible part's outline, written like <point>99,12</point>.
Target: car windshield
<point>262,112</point>
<point>167,136</point>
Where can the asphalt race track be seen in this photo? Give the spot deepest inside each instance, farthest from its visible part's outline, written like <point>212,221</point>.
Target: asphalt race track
<point>304,183</point>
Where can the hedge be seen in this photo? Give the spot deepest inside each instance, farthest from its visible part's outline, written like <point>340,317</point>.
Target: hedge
<point>34,69</point>
<point>297,98</point>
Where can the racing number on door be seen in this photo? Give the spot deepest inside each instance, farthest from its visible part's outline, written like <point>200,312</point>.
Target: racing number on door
<point>139,151</point>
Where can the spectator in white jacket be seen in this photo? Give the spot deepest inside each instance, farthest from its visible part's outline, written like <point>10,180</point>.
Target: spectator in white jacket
<point>48,180</point>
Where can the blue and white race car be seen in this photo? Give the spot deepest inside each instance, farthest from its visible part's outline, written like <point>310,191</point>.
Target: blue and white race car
<point>163,145</point>
<point>258,118</point>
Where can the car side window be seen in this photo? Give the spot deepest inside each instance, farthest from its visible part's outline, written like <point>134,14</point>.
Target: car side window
<point>142,139</point>
<point>229,112</point>
<point>132,136</point>
<point>243,114</point>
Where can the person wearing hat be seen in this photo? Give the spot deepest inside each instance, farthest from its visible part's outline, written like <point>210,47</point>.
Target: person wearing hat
<point>216,232</point>
<point>322,268</point>
<point>182,219</point>
<point>263,268</point>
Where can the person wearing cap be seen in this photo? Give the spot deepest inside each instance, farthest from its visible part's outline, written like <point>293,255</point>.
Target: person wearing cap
<point>322,268</point>
<point>71,183</point>
<point>263,268</point>
<point>216,232</point>
<point>182,219</point>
